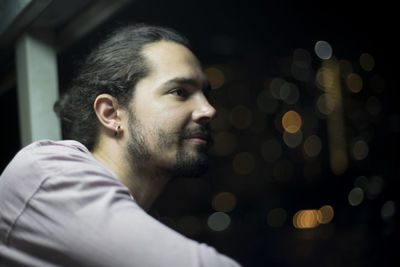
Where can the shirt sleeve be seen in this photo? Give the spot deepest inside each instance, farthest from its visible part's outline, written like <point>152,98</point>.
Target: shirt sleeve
<point>85,217</point>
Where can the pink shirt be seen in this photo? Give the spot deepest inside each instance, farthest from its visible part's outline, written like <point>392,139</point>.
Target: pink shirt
<point>59,206</point>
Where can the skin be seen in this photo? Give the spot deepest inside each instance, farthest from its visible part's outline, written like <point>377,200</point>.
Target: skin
<point>171,117</point>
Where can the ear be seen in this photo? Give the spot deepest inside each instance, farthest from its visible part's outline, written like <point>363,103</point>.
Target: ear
<point>107,111</point>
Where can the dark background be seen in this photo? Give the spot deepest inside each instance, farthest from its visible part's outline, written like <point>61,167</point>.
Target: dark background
<point>251,41</point>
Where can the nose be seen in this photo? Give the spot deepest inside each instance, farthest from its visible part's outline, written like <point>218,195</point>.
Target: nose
<point>204,112</point>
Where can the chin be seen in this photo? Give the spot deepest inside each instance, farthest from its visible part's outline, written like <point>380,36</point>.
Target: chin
<point>190,166</point>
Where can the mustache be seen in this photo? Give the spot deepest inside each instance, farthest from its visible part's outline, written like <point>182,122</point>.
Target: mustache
<point>203,132</point>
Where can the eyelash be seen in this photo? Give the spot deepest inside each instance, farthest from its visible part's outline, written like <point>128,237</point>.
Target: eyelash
<point>183,92</point>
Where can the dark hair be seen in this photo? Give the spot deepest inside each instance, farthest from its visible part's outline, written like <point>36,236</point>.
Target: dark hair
<point>114,67</point>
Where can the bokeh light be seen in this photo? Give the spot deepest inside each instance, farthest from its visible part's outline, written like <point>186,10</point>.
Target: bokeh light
<point>325,214</point>
<point>289,93</point>
<point>305,219</point>
<point>345,68</point>
<point>312,146</point>
<point>388,210</point>
<point>324,78</point>
<point>215,76</point>
<point>291,121</point>
<point>360,150</point>
<point>375,186</point>
<point>224,201</point>
<point>356,196</point>
<point>311,218</point>
<point>323,106</point>
<point>275,87</point>
<point>354,82</point>
<point>323,50</point>
<point>240,117</point>
<point>243,163</point>
<point>367,62</point>
<point>293,140</point>
<point>219,221</point>
<point>276,217</point>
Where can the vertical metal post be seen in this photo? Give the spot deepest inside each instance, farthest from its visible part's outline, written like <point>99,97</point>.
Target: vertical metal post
<point>37,86</point>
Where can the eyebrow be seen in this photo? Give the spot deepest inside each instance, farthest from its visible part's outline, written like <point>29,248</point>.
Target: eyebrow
<point>190,81</point>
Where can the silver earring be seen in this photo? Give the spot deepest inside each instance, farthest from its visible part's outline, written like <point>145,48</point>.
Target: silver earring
<point>116,130</point>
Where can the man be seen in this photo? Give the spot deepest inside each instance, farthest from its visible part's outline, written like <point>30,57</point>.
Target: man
<point>139,110</point>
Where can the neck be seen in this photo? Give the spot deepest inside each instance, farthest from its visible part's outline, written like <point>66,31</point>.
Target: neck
<point>144,183</point>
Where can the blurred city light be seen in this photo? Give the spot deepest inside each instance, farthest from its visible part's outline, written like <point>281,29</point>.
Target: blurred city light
<point>218,221</point>
<point>367,62</point>
<point>325,214</point>
<point>354,82</point>
<point>388,210</point>
<point>335,123</point>
<point>305,219</point>
<point>323,50</point>
<point>312,146</point>
<point>293,139</point>
<point>215,76</point>
<point>375,186</point>
<point>311,218</point>
<point>291,121</point>
<point>360,150</point>
<point>356,196</point>
<point>224,201</point>
<point>345,68</point>
<point>275,87</point>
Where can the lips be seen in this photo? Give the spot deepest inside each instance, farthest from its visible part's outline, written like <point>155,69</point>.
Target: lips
<point>199,138</point>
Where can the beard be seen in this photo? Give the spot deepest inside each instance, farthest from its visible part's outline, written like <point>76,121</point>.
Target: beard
<point>184,164</point>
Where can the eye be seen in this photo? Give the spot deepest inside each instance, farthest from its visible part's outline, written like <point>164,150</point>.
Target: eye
<point>180,92</point>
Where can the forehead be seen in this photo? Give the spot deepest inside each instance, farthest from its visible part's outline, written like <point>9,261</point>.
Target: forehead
<point>168,59</point>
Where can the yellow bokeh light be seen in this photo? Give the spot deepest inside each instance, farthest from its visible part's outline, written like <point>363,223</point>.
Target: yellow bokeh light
<point>305,219</point>
<point>325,214</point>
<point>215,76</point>
<point>224,201</point>
<point>354,82</point>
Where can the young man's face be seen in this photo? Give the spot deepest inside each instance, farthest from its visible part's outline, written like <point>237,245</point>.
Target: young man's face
<point>170,114</point>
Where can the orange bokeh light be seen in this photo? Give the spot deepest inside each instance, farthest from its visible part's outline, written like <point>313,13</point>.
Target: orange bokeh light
<point>291,121</point>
